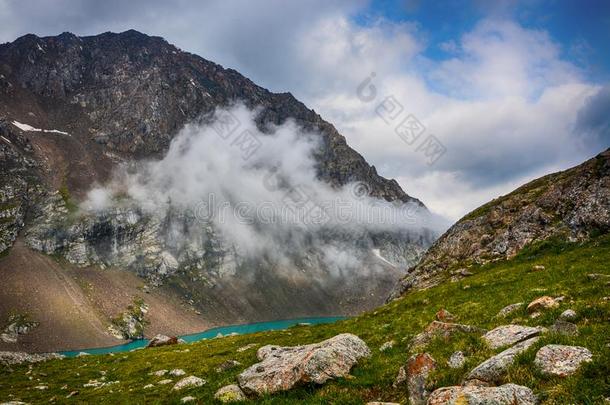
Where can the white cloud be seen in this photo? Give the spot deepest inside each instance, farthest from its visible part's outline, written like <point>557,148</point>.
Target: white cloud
<point>504,103</point>
<point>504,106</point>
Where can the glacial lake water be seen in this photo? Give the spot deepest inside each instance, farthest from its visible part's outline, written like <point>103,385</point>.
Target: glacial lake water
<point>212,333</point>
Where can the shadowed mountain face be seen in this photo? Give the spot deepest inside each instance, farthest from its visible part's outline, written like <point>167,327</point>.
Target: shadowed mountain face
<point>75,111</point>
<point>570,205</point>
<point>126,95</point>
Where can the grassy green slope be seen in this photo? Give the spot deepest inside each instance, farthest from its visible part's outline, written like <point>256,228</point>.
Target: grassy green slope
<point>475,300</point>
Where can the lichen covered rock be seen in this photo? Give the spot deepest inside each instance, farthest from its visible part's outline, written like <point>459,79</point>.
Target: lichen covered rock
<point>419,366</point>
<point>510,334</point>
<point>281,368</point>
<point>508,394</point>
<point>493,369</point>
<point>560,360</point>
<point>230,393</point>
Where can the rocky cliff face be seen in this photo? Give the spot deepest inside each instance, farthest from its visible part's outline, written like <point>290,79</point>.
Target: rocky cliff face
<point>573,205</point>
<point>74,108</point>
<point>131,93</point>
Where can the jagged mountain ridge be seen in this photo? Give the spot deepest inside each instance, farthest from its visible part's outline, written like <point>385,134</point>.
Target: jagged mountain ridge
<point>131,93</point>
<point>573,205</point>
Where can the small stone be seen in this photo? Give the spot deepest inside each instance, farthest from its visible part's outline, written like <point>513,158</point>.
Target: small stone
<point>541,303</point>
<point>568,315</point>
<point>564,328</point>
<point>159,373</point>
<point>560,360</point>
<point>246,347</point>
<point>401,377</point>
<point>508,394</point>
<point>445,316</point>
<point>510,334</point>
<point>82,354</point>
<point>72,394</point>
<point>456,360</point>
<point>230,393</point>
<point>538,267</point>
<point>596,276</point>
<point>188,382</point>
<point>227,365</point>
<point>177,372</point>
<point>509,309</point>
<point>419,367</point>
<point>187,399</point>
<point>387,346</point>
<point>165,382</point>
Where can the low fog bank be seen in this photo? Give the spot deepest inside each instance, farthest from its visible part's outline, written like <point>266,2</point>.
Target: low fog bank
<point>260,193</point>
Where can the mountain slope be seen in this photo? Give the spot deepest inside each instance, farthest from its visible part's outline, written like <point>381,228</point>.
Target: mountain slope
<point>573,205</point>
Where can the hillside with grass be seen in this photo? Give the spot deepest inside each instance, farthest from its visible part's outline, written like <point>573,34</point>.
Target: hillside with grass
<point>573,204</point>
<point>577,271</point>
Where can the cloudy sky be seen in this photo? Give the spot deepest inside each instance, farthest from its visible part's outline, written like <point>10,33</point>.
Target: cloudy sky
<point>510,91</point>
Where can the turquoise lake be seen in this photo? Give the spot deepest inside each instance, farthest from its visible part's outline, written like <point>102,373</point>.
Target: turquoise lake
<point>212,333</point>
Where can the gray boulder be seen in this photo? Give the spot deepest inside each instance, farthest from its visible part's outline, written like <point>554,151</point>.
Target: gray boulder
<point>281,368</point>
<point>568,315</point>
<point>560,360</point>
<point>508,394</point>
<point>564,328</point>
<point>493,369</point>
<point>510,334</point>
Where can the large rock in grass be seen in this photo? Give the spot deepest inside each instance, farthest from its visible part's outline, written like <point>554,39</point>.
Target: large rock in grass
<point>508,394</point>
<point>493,369</point>
<point>560,360</point>
<point>281,368</point>
<point>510,334</point>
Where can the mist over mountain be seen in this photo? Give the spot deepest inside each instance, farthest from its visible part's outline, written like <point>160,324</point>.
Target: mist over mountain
<point>130,154</point>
